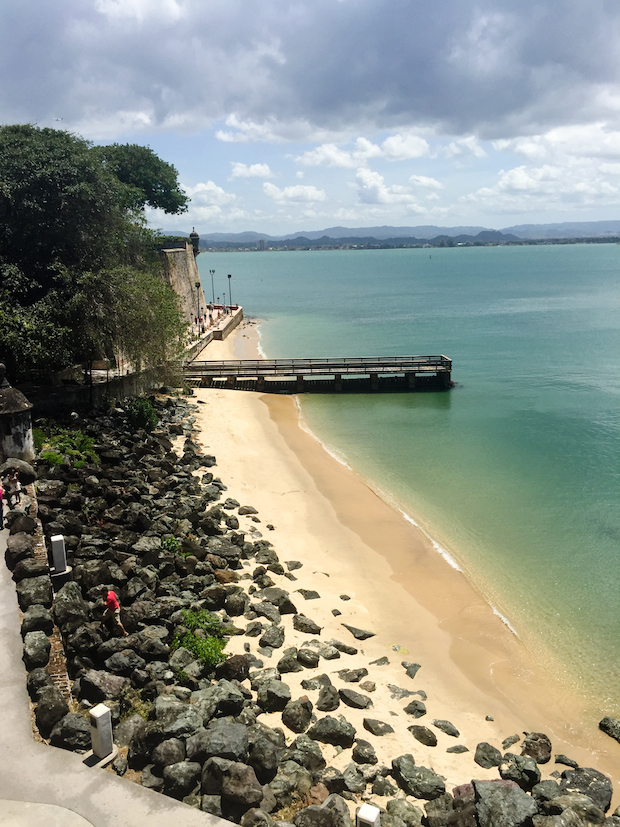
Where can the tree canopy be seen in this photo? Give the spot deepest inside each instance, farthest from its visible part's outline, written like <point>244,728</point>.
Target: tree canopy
<point>79,274</point>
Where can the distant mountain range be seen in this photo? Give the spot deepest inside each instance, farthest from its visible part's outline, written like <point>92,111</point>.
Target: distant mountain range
<point>567,229</point>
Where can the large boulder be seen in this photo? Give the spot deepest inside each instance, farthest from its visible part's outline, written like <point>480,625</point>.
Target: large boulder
<point>36,650</point>
<point>72,732</point>
<point>487,756</point>
<point>328,730</point>
<point>240,785</point>
<point>273,696</point>
<point>18,547</point>
<point>181,778</point>
<point>34,590</point>
<point>26,472</point>
<point>537,746</point>
<point>97,686</point>
<point>610,726</point>
<point>222,698</point>
<point>220,739</point>
<point>590,782</point>
<point>420,782</point>
<point>70,609</point>
<point>521,769</point>
<point>305,752</point>
<point>51,708</point>
<point>297,714</point>
<point>503,804</point>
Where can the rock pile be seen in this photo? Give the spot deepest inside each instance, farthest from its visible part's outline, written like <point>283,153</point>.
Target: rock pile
<point>152,523</point>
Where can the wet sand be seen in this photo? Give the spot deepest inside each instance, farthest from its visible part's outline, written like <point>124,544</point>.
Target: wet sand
<point>353,543</point>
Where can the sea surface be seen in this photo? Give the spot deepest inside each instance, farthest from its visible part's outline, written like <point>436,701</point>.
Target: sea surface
<point>515,472</point>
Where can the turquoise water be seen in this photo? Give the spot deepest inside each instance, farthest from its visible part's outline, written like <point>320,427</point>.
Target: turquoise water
<point>515,472</point>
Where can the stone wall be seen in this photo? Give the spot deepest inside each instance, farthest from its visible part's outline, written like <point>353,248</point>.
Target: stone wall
<point>182,274</point>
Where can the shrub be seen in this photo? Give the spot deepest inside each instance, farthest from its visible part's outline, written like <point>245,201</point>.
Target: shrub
<point>61,445</point>
<point>172,544</point>
<point>141,414</point>
<point>207,649</point>
<point>52,458</point>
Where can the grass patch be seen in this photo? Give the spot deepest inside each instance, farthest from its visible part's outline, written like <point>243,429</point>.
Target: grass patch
<point>60,446</point>
<point>206,649</point>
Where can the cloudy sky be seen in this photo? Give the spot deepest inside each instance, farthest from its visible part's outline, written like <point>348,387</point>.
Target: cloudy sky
<point>287,115</point>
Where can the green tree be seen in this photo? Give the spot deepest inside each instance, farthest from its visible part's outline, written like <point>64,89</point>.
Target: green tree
<point>80,276</point>
<point>149,180</point>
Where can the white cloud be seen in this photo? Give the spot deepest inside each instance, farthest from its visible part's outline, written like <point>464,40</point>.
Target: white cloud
<point>427,183</point>
<point>141,10</point>
<point>404,147</point>
<point>209,194</point>
<point>464,146</point>
<point>240,170</point>
<point>330,155</point>
<point>579,141</point>
<point>298,193</point>
<point>372,189</point>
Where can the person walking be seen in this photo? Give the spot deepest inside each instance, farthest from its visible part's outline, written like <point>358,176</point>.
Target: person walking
<point>113,609</point>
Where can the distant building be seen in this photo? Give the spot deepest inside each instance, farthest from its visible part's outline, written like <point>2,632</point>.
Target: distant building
<point>261,244</point>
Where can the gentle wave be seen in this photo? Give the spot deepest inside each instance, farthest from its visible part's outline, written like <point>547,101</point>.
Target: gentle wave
<point>504,620</point>
<point>305,427</point>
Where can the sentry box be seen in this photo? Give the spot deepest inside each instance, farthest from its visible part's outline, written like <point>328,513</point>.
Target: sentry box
<point>368,816</point>
<point>59,555</point>
<point>101,730</point>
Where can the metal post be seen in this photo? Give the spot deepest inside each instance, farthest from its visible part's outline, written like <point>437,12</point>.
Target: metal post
<point>197,286</point>
<point>212,287</point>
<point>229,293</point>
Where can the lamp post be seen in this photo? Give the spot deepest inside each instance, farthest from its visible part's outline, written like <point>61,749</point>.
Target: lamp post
<point>197,286</point>
<point>229,293</point>
<point>212,287</point>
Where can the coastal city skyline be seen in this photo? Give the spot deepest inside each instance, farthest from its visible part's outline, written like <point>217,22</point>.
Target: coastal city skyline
<point>282,116</point>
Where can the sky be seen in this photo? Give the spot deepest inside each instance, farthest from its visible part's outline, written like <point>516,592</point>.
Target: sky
<point>289,115</point>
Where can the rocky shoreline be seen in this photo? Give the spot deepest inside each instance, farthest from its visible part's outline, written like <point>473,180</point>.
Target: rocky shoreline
<point>244,738</point>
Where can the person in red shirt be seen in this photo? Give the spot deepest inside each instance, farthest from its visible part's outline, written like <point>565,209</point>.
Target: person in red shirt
<point>113,609</point>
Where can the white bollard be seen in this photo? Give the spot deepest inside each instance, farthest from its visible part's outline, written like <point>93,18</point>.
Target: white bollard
<point>101,730</point>
<point>59,555</point>
<point>368,816</point>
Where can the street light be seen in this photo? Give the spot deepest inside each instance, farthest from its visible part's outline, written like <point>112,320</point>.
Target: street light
<point>229,293</point>
<point>212,287</point>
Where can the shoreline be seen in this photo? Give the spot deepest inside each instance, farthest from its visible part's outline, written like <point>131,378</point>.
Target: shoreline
<point>473,666</point>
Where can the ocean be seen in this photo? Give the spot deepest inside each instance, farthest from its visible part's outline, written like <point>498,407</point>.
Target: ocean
<point>515,472</point>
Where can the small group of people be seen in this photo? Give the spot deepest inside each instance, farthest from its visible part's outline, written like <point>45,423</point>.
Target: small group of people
<point>10,493</point>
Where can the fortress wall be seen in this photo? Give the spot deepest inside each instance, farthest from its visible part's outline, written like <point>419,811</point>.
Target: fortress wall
<point>182,274</point>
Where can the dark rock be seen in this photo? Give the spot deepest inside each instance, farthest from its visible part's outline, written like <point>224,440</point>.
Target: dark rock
<point>329,699</point>
<point>124,662</point>
<point>458,749</point>
<point>377,728</point>
<point>120,766</point>
<point>352,675</point>
<point>266,609</point>
<point>420,782</point>
<point>573,808</point>
<point>151,781</point>
<point>279,598</point>
<point>18,547</point>
<point>354,780</point>
<point>487,756</point>
<point>354,699</point>
<point>358,634</point>
<point>22,523</point>
<point>590,782</point>
<point>264,756</point>
<point>26,472</point>
<point>85,640</point>
<point>343,647</point>
<point>254,817</point>
<point>382,786</point>
<point>364,752</point>
<point>424,735</point>
<point>70,609</point>
<point>301,623</point>
<point>411,669</point>
<point>339,810</point>
<point>168,752</point>
<point>313,816</point>
<point>305,752</point>
<point>234,668</point>
<point>522,769</point>
<point>546,790</point>
<point>409,814</point>
<point>447,727</point>
<point>29,568</point>
<point>180,779</point>
<point>296,714</point>
<point>416,709</point>
<point>36,650</point>
<point>308,658</point>
<point>330,730</point>
<point>333,779</point>
<point>37,679</point>
<point>240,785</point>
<point>212,804</point>
<point>500,805</point>
<point>508,742</point>
<point>309,594</point>
<point>538,746</point>
<point>97,686</point>
<point>126,731</point>
<point>72,732</point>
<point>51,708</point>
<point>34,590</point>
<point>293,565</point>
<point>220,739</point>
<point>273,637</point>
<point>176,718</point>
<point>273,696</point>
<point>288,662</point>
<point>566,761</point>
<point>222,698</point>
<point>611,727</point>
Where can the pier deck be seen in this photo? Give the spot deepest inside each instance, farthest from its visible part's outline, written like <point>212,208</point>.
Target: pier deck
<point>325,375</point>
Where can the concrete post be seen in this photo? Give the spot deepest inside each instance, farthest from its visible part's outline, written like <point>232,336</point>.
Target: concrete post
<point>59,555</point>
<point>101,730</point>
<point>374,381</point>
<point>338,383</point>
<point>300,386</point>
<point>410,381</point>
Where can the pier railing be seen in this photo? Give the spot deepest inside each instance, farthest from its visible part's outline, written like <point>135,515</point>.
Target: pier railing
<point>326,374</point>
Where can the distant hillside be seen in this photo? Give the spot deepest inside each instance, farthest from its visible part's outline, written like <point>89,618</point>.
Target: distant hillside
<point>351,235</point>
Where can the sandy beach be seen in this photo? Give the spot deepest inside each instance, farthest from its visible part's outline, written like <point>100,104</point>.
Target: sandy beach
<point>381,573</point>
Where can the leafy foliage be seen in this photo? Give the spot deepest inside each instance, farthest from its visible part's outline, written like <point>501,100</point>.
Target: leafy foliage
<point>80,276</point>
<point>140,414</point>
<point>172,544</point>
<point>65,446</point>
<point>207,648</point>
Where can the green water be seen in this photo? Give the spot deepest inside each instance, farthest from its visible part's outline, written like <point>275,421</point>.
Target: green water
<point>514,472</point>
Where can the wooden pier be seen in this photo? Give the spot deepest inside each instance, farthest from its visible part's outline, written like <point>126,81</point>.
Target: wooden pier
<point>328,375</point>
